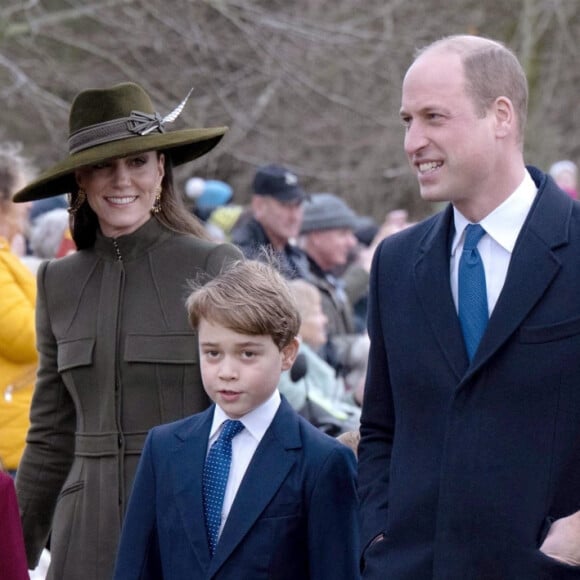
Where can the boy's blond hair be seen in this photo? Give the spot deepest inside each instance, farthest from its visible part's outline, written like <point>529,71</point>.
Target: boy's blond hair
<point>248,297</point>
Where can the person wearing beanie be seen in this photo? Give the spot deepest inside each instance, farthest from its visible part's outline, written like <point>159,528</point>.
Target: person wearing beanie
<point>327,238</point>
<point>326,211</point>
<point>273,221</point>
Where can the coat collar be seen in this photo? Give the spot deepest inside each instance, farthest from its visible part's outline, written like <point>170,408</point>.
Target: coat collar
<point>431,271</point>
<point>132,245</point>
<point>533,266</point>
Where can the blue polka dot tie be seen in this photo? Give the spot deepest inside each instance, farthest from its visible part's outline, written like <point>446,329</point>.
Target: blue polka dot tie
<point>473,313</point>
<point>215,477</point>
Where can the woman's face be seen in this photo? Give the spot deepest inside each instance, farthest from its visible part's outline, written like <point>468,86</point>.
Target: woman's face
<point>122,191</point>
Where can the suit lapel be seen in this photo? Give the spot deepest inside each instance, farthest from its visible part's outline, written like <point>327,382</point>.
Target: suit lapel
<point>434,290</point>
<point>270,465</point>
<point>186,479</point>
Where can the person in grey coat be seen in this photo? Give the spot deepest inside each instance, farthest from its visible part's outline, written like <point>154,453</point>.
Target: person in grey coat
<point>117,355</point>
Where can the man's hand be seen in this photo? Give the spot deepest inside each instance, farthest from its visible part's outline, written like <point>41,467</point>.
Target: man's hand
<point>563,540</point>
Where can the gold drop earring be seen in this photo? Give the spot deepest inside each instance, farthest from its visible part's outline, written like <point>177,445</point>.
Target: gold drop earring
<point>78,202</point>
<point>157,201</point>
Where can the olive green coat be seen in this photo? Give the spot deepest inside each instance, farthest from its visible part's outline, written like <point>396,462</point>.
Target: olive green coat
<point>117,356</point>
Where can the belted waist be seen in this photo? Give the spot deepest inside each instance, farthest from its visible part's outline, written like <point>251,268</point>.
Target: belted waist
<point>103,444</point>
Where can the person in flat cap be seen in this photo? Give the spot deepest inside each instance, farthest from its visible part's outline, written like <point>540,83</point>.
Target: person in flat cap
<point>117,354</point>
<point>327,237</point>
<point>274,220</point>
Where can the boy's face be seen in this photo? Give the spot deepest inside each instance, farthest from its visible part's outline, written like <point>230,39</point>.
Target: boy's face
<point>240,371</point>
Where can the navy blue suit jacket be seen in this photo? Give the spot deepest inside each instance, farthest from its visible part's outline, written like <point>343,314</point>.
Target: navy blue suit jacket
<point>463,466</point>
<point>295,514</point>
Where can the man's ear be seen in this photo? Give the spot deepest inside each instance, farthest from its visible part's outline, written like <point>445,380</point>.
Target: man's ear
<point>289,353</point>
<point>505,117</point>
<point>258,204</point>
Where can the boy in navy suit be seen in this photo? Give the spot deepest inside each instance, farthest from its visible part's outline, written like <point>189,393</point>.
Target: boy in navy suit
<point>246,489</point>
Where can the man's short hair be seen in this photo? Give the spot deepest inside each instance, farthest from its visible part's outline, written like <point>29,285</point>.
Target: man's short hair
<point>248,297</point>
<point>491,71</point>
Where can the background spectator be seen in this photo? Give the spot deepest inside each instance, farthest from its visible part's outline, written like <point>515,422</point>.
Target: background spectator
<point>46,236</point>
<point>312,386</point>
<point>327,238</point>
<point>274,219</point>
<point>15,172</point>
<point>565,174</point>
<point>18,357</point>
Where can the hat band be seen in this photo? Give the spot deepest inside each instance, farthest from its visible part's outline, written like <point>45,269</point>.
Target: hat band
<point>138,123</point>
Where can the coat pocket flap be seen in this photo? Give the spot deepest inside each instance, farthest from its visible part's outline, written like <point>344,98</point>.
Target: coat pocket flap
<point>75,353</point>
<point>550,332</point>
<point>161,348</point>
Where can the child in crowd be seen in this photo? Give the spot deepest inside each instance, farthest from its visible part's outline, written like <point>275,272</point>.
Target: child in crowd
<point>317,393</point>
<point>247,488</point>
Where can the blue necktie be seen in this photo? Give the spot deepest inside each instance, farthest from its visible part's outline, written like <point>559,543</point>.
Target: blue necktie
<point>215,477</point>
<point>473,313</point>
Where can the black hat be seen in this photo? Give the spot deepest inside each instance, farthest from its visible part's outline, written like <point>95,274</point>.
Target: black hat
<point>279,183</point>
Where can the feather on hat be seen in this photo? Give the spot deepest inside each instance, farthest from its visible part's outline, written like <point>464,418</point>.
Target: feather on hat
<point>116,122</point>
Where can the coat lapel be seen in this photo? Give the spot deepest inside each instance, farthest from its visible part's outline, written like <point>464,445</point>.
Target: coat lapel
<point>269,467</point>
<point>533,267</point>
<point>186,478</point>
<point>434,290</point>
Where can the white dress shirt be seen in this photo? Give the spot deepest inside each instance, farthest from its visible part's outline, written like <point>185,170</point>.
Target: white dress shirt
<point>244,444</point>
<point>502,227</point>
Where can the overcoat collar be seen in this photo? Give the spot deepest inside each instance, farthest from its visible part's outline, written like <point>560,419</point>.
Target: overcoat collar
<point>533,266</point>
<point>133,245</point>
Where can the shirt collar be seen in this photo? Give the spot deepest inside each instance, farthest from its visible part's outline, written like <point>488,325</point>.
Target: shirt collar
<point>504,223</point>
<point>256,421</point>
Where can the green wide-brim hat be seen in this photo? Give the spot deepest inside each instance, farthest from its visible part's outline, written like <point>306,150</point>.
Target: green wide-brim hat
<point>116,122</point>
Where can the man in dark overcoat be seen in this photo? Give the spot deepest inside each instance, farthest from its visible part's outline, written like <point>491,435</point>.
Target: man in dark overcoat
<point>469,461</point>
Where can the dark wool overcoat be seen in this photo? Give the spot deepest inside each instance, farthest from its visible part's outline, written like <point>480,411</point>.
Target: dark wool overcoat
<point>117,357</point>
<point>463,466</point>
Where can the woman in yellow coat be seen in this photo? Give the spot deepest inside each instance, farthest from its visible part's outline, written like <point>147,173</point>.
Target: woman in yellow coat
<point>18,357</point>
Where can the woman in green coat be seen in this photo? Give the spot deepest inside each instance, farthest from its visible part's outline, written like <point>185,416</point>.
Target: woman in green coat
<point>116,353</point>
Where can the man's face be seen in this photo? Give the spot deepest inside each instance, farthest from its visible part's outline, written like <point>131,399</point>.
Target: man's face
<point>280,220</point>
<point>451,148</point>
<point>331,248</point>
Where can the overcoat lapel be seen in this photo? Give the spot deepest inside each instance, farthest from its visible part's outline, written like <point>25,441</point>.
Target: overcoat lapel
<point>269,467</point>
<point>434,291</point>
<point>533,267</point>
<point>187,481</point>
